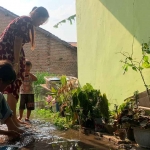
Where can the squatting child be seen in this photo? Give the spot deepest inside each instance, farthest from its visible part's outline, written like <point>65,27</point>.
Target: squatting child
<point>7,76</point>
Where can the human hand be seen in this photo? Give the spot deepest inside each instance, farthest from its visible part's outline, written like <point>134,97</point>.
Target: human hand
<point>13,134</point>
<point>16,67</point>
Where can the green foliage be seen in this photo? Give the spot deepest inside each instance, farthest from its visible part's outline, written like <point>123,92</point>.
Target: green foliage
<point>83,100</point>
<point>64,91</point>
<point>63,80</point>
<point>43,114</point>
<point>137,66</point>
<point>90,102</point>
<point>124,105</point>
<point>54,118</point>
<point>104,108</point>
<point>87,87</point>
<point>70,19</point>
<point>40,80</point>
<point>77,102</point>
<point>40,77</point>
<point>145,48</point>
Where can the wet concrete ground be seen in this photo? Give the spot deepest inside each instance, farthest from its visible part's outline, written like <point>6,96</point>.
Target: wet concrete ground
<point>45,136</point>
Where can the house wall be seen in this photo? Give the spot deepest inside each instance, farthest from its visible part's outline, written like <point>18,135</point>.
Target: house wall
<point>50,55</point>
<point>105,28</point>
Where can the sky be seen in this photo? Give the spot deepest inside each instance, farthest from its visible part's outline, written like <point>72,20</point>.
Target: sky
<point>58,10</point>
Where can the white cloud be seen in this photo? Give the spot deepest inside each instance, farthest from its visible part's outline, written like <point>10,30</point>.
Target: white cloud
<point>62,12</point>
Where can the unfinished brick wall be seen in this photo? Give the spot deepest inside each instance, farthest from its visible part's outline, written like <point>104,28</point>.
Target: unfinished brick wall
<point>62,59</point>
<point>50,54</point>
<point>39,56</point>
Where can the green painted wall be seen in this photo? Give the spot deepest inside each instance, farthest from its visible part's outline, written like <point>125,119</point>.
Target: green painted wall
<point>105,27</point>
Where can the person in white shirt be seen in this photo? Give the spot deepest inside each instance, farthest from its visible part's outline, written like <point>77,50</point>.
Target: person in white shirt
<point>26,92</point>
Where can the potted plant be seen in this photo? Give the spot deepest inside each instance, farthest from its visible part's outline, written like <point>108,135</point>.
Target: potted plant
<point>138,66</point>
<point>141,123</point>
<point>83,105</point>
<point>91,107</point>
<point>131,117</point>
<point>63,93</point>
<point>83,102</point>
<point>125,119</point>
<point>110,125</point>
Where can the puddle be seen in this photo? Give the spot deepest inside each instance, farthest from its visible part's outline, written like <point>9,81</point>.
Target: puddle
<point>44,136</point>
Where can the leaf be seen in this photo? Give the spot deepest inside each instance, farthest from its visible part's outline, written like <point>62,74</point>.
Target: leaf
<point>64,20</point>
<point>146,58</point>
<point>148,51</point>
<point>61,98</point>
<point>145,45</point>
<point>69,20</point>
<point>87,87</point>
<point>134,68</point>
<point>141,68</point>
<point>146,64</point>
<point>125,67</point>
<point>130,58</point>
<point>72,17</point>
<point>129,64</point>
<point>53,90</point>
<point>63,80</point>
<point>56,26</point>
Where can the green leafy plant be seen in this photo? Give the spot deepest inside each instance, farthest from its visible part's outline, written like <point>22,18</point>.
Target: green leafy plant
<point>104,107</point>
<point>138,66</point>
<point>90,104</point>
<point>79,104</point>
<point>130,115</point>
<point>63,93</point>
<point>54,118</point>
<point>70,19</point>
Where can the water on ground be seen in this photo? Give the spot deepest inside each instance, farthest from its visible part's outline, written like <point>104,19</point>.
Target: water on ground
<point>44,136</point>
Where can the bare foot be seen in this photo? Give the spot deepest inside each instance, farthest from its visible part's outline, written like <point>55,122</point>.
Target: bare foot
<point>22,122</point>
<point>20,131</point>
<point>12,126</point>
<point>17,123</point>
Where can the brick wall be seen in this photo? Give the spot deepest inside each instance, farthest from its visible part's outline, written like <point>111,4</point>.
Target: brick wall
<point>50,54</point>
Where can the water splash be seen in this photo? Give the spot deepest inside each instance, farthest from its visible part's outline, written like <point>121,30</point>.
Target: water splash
<point>42,135</point>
